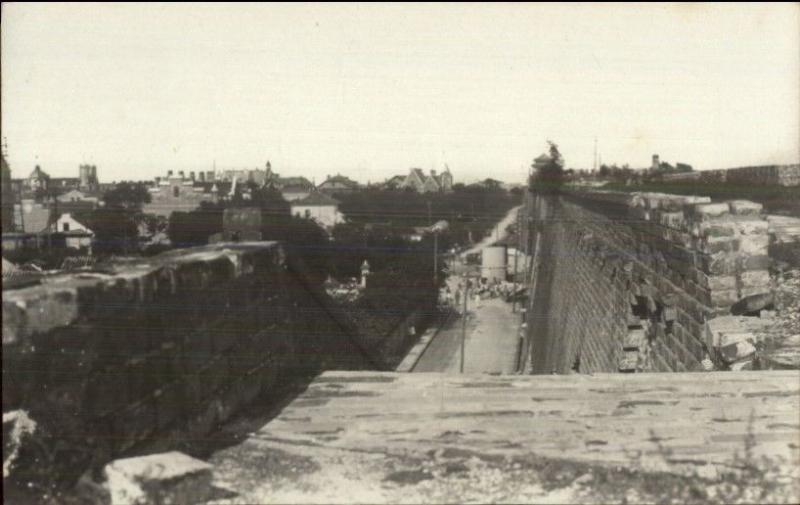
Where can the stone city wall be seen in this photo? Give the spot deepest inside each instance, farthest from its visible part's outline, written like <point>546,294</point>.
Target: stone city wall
<point>628,282</point>
<point>104,360</point>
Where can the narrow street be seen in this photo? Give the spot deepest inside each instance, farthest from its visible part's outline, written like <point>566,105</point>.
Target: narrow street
<point>491,331</point>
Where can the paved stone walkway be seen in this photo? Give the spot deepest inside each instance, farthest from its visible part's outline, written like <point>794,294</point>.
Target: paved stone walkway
<point>369,437</point>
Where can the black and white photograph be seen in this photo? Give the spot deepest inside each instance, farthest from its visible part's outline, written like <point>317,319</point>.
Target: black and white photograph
<point>400,253</point>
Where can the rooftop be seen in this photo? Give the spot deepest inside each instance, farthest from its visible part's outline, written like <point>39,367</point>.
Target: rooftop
<point>317,198</point>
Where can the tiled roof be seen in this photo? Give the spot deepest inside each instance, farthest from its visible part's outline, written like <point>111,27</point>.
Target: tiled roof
<point>340,179</point>
<point>295,181</point>
<point>317,198</point>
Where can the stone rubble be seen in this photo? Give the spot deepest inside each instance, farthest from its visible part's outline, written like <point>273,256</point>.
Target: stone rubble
<point>170,478</point>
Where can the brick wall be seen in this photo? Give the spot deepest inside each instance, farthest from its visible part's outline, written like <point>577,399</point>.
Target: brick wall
<point>627,282</point>
<point>105,360</point>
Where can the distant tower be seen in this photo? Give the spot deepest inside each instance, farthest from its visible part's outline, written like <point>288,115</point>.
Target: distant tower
<point>656,163</point>
<point>594,169</point>
<point>88,176</point>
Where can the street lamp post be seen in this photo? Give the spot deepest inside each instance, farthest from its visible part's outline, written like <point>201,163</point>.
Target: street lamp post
<point>435,258</point>
<point>464,322</point>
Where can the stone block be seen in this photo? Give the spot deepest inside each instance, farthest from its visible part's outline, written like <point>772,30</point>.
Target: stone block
<point>745,207</point>
<point>692,200</point>
<point>752,226</point>
<point>718,264</point>
<point>628,361</point>
<point>748,262</point>
<point>716,282</point>
<point>717,229</point>
<point>714,245</point>
<point>754,278</point>
<point>726,330</point>
<point>718,297</point>
<point>634,340</point>
<point>16,427</point>
<point>170,478</point>
<point>754,245</point>
<point>709,211</point>
<point>674,220</point>
<point>737,351</point>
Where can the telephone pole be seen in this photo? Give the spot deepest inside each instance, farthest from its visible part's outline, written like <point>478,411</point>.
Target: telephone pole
<point>464,322</point>
<point>435,258</point>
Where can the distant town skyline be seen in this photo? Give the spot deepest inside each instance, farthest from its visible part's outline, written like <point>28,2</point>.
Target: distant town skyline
<point>370,91</point>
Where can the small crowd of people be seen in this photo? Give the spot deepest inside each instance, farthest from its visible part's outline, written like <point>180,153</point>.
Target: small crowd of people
<point>476,290</point>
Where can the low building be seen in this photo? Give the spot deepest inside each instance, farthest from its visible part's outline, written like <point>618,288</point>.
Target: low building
<point>76,233</point>
<point>76,195</point>
<point>321,208</point>
<point>422,183</point>
<point>337,184</point>
<point>296,192</point>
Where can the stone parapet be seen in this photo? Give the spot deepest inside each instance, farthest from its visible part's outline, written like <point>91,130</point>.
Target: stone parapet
<point>103,360</point>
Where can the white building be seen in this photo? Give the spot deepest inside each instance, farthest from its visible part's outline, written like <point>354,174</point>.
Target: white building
<point>320,207</point>
<point>76,234</point>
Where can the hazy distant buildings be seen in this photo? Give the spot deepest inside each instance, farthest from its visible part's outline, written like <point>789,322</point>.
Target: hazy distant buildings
<point>8,196</point>
<point>319,207</point>
<point>337,184</point>
<point>178,193</point>
<point>420,182</point>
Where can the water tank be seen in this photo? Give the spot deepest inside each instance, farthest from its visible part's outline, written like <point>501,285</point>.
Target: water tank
<point>493,263</point>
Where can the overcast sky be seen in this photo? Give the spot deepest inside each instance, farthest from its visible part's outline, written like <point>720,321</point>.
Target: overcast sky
<point>371,90</point>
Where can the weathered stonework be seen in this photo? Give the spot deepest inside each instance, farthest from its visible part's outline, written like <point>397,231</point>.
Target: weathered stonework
<point>104,360</point>
<point>616,264</point>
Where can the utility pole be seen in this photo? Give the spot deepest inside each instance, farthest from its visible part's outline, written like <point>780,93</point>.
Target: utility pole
<point>435,258</point>
<point>516,255</point>
<point>595,155</point>
<point>464,322</point>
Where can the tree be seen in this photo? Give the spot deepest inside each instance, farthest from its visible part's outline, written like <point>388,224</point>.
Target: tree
<point>114,229</point>
<point>129,196</point>
<point>492,183</point>
<point>550,177</point>
<point>188,229</point>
